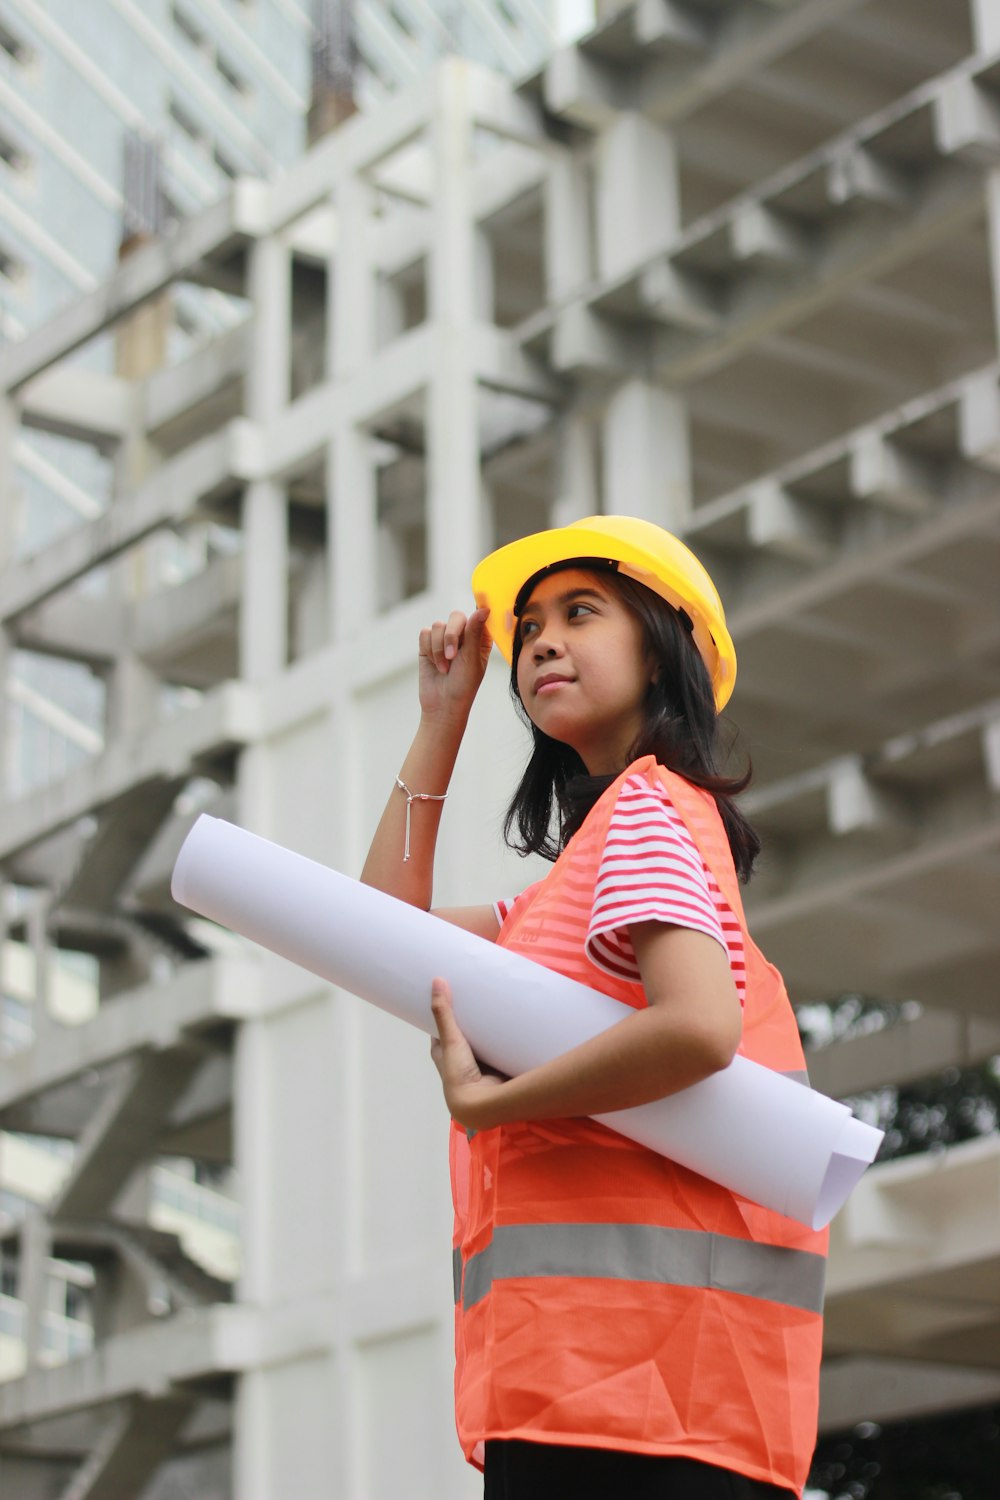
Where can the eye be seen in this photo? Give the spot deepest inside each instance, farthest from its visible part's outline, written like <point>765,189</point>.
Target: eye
<point>578,608</point>
<point>526,627</point>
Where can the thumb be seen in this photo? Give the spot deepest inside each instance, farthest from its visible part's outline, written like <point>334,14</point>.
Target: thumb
<point>478,631</point>
<point>441,1008</point>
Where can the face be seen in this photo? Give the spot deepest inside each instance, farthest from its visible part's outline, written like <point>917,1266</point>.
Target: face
<point>583,669</point>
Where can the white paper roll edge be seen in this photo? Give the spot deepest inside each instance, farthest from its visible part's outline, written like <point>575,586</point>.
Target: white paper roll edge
<point>747,1128</point>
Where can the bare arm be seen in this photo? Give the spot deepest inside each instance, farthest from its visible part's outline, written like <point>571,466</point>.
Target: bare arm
<point>690,1029</point>
<point>452,663</point>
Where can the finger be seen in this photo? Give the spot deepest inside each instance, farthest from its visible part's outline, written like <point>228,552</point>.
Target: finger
<point>454,633</point>
<point>444,1015</point>
<point>424,643</point>
<point>437,646</point>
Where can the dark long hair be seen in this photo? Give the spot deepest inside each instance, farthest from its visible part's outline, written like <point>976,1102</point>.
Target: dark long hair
<point>680,728</point>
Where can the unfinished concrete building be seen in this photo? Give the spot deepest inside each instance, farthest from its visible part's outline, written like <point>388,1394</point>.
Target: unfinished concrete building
<point>734,266</point>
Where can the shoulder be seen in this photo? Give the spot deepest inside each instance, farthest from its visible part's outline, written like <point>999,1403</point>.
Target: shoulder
<point>646,791</point>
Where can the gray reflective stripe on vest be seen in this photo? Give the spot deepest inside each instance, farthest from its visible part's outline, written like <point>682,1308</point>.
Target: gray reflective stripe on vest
<point>647,1252</point>
<point>456,1271</point>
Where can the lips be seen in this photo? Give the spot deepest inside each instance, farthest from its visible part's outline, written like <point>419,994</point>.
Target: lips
<point>550,679</point>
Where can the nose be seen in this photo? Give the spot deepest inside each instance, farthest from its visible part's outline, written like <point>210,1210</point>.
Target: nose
<point>543,647</point>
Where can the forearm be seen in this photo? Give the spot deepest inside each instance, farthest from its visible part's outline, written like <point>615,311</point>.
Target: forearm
<point>427,767</point>
<point>644,1057</point>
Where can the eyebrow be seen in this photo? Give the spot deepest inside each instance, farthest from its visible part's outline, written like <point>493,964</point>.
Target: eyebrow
<point>566,598</point>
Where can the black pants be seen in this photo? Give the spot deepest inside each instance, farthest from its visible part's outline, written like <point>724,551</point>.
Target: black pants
<point>548,1471</point>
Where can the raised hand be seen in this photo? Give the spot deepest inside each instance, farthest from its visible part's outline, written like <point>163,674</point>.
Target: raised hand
<point>453,656</point>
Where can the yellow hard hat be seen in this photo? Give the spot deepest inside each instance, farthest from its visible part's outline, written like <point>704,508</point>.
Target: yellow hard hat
<point>642,551</point>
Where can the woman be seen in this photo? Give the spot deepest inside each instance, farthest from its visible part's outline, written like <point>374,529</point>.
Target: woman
<point>625,1327</point>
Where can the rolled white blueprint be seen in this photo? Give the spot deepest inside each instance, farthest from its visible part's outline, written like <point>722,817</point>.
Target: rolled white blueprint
<point>746,1128</point>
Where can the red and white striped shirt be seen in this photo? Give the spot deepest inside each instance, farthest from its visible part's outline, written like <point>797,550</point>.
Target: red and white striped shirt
<point>651,871</point>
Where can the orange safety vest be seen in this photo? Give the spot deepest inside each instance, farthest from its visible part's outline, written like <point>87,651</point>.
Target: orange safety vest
<point>607,1297</point>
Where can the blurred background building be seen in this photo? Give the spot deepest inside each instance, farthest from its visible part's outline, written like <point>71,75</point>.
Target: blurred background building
<point>304,310</point>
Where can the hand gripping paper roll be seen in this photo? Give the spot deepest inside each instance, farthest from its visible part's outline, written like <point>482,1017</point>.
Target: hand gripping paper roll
<point>747,1128</point>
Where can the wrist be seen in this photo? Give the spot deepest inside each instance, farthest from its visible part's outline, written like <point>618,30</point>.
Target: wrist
<point>445,727</point>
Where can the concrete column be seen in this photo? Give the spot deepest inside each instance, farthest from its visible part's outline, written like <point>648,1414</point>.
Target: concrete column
<point>569,258</point>
<point>32,1285</point>
<point>269,286</point>
<point>454,513</point>
<point>390,564</point>
<point>264,599</point>
<point>985,25</point>
<point>7,745</point>
<point>390,312</point>
<point>637,192</point>
<point>993,240</point>
<point>352,277</point>
<point>353,531</point>
<point>291,1138</point>
<point>352,524</point>
<point>41,950</point>
<point>484,276</point>
<point>578,490</point>
<point>264,608</point>
<point>8,521</point>
<point>132,692</point>
<point>647,461</point>
<point>9,428</point>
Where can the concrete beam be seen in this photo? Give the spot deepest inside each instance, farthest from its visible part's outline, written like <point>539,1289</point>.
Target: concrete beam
<point>171,495</point>
<point>904,1053</point>
<point>178,1349</point>
<point>681,298</point>
<point>979,419</point>
<point>500,112</point>
<point>169,395</point>
<point>670,28</point>
<point>361,144</point>
<point>882,472</point>
<point>877,1389</point>
<point>583,90</point>
<point>124,1130</point>
<point>85,405</point>
<point>224,719</point>
<point>501,364</point>
<point>231,221</point>
<point>991,754</point>
<point>764,236</point>
<point>152,1017</point>
<point>137,1438</point>
<point>743,41</point>
<point>116,847</point>
<point>170,623</point>
<point>788,524</point>
<point>859,175</point>
<point>864,923</point>
<point>948,201</point>
<point>966,118</point>
<point>74,627</point>
<point>586,344</point>
<point>763,609</point>
<point>900,1224</point>
<point>855,803</point>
